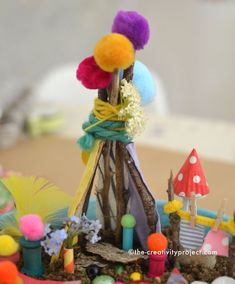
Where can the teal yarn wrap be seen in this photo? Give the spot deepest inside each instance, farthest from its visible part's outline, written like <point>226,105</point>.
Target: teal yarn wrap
<point>103,131</point>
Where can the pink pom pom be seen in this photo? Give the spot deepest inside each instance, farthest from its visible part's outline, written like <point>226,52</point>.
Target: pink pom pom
<point>32,227</point>
<point>91,76</point>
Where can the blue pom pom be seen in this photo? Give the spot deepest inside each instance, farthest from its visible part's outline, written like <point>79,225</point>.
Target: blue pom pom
<point>86,142</point>
<point>144,83</point>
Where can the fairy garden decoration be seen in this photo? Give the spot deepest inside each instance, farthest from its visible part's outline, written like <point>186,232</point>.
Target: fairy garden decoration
<point>111,231</point>
<point>207,236</point>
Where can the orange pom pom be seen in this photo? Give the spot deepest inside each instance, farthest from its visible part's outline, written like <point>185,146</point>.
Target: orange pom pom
<point>8,273</point>
<point>114,51</point>
<point>157,242</point>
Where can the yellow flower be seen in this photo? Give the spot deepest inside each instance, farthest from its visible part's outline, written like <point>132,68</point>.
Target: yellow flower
<point>172,206</point>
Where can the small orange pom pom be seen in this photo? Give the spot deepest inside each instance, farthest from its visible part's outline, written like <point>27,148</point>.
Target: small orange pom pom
<point>8,273</point>
<point>157,242</point>
<point>114,51</point>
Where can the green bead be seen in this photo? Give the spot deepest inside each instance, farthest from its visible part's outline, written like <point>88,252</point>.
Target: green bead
<point>128,221</point>
<point>103,279</point>
<point>118,268</point>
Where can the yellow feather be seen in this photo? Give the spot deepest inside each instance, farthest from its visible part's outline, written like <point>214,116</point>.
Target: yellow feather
<point>34,195</point>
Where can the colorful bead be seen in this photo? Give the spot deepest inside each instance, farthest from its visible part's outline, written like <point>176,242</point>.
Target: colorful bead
<point>136,276</point>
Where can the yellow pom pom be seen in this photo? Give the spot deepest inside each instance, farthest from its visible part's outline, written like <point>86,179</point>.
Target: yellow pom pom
<point>114,51</point>
<point>85,157</point>
<point>8,245</point>
<point>173,206</point>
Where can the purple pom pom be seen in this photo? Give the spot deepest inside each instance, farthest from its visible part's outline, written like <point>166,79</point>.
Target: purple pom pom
<point>134,26</point>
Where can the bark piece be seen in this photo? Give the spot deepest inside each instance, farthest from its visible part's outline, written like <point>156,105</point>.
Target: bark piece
<point>111,253</point>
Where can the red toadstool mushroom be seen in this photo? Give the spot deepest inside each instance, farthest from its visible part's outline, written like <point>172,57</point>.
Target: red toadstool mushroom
<point>191,178</point>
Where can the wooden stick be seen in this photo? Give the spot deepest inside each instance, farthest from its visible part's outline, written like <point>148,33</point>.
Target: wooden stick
<point>119,165</point>
<point>170,190</point>
<point>114,88</point>
<point>128,73</point>
<point>113,93</point>
<point>120,202</point>
<point>147,199</point>
<point>220,214</point>
<point>193,209</point>
<point>105,191</point>
<point>174,220</point>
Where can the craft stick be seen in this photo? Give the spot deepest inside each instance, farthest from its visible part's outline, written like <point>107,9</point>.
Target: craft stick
<point>193,209</point>
<point>220,214</point>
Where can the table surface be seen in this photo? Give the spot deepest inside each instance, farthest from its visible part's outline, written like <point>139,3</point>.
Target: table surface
<point>58,159</point>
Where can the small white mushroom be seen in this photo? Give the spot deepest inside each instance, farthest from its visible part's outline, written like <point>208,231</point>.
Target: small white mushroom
<point>224,280</point>
<point>220,280</point>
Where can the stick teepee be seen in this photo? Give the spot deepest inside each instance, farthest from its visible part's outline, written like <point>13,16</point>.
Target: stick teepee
<point>112,170</point>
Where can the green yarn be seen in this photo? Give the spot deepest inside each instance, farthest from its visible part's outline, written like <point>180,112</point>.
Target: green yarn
<point>86,142</point>
<point>128,221</point>
<point>106,130</point>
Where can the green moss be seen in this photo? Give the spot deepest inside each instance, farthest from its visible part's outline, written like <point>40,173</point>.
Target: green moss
<point>128,221</point>
<point>118,268</point>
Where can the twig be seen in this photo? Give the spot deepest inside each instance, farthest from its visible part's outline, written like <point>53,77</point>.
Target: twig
<point>174,220</point>
<point>128,73</point>
<point>170,190</point>
<point>193,209</point>
<point>113,92</point>
<point>220,214</point>
<point>105,191</point>
<point>119,165</point>
<point>119,191</point>
<point>147,199</point>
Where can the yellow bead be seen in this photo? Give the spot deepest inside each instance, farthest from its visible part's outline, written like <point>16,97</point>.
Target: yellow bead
<point>135,276</point>
<point>85,157</point>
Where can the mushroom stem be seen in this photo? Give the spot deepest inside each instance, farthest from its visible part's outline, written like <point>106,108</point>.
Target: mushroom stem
<point>186,203</point>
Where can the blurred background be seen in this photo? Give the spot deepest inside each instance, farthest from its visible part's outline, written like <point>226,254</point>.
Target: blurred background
<point>191,48</point>
<point>191,54</point>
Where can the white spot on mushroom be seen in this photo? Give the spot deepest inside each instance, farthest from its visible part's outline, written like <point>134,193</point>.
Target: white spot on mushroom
<point>180,177</point>
<point>225,241</point>
<point>193,160</point>
<point>182,194</point>
<point>198,195</point>
<point>196,179</point>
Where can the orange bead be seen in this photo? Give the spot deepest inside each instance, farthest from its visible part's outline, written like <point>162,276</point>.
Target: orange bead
<point>157,242</point>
